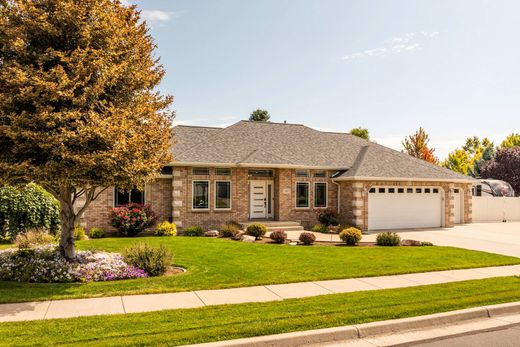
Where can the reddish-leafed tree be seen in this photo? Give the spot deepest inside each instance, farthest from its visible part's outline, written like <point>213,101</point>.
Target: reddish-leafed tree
<point>416,145</point>
<point>505,167</point>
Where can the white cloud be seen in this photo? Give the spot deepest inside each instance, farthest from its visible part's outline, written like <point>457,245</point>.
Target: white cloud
<point>158,16</point>
<point>409,42</point>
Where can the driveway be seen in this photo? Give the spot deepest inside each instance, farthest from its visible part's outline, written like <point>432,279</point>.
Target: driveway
<point>501,238</point>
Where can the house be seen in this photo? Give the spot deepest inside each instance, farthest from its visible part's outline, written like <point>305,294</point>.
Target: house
<point>287,172</point>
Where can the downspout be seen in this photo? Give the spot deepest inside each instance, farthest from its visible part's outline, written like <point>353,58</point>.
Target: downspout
<point>339,195</point>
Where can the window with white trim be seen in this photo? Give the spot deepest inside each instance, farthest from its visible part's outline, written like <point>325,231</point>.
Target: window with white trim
<point>222,195</point>
<point>320,194</point>
<point>302,173</point>
<point>200,171</point>
<point>302,194</point>
<point>200,193</point>
<point>320,173</point>
<point>125,197</point>
<point>222,171</point>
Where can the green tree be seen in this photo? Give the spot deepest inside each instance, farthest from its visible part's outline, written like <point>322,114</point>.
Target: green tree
<point>469,159</point>
<point>260,115</point>
<point>26,207</point>
<point>512,140</point>
<point>79,110</point>
<point>416,145</point>
<point>360,132</point>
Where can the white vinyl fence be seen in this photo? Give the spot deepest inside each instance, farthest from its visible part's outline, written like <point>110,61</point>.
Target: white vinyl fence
<point>495,209</point>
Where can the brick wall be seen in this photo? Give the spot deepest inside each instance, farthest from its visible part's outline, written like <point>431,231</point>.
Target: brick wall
<point>157,194</point>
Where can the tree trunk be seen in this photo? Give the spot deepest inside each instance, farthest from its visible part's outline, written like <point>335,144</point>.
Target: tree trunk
<point>68,219</point>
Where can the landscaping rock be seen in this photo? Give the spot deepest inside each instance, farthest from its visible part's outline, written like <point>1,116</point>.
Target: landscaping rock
<point>248,238</point>
<point>238,236</point>
<point>410,243</point>
<point>211,233</point>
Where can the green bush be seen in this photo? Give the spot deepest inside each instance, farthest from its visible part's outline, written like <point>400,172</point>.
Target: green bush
<point>165,229</point>
<point>193,231</point>
<point>27,207</point>
<point>388,239</point>
<point>328,216</point>
<point>426,243</point>
<point>278,236</point>
<point>96,233</point>
<point>228,230</point>
<point>256,229</point>
<point>351,236</point>
<point>307,238</point>
<point>320,228</point>
<point>34,237</point>
<point>154,260</point>
<point>79,233</point>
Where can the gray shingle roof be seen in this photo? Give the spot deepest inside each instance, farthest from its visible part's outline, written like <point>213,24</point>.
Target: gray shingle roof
<point>264,144</point>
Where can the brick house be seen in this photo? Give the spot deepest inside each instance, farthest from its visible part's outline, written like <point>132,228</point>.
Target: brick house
<point>286,172</point>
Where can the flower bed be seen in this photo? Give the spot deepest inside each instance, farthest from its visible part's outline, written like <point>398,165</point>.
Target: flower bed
<point>46,264</point>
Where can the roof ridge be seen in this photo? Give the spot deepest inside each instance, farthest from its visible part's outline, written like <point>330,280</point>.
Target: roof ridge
<point>359,160</point>
<point>263,150</point>
<point>197,126</point>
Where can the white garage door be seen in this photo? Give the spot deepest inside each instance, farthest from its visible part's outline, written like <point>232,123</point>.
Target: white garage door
<point>404,207</point>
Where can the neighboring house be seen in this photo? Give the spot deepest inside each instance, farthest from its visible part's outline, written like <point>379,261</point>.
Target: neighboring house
<point>287,172</point>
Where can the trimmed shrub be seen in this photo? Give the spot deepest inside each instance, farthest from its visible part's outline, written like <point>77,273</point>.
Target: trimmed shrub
<point>426,243</point>
<point>320,228</point>
<point>154,260</point>
<point>278,236</point>
<point>132,219</point>
<point>165,229</point>
<point>228,230</point>
<point>388,239</point>
<point>328,216</point>
<point>256,229</point>
<point>96,233</point>
<point>34,237</point>
<point>307,238</point>
<point>193,231</point>
<point>27,207</point>
<point>238,225</point>
<point>351,236</point>
<point>79,233</point>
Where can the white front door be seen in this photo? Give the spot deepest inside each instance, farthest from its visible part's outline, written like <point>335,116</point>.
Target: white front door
<point>260,199</point>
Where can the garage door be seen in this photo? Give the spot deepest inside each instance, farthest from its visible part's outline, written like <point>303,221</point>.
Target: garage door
<point>404,207</point>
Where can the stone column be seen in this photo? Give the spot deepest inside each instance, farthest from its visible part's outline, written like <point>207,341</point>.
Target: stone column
<point>178,189</point>
<point>360,217</point>
<point>468,204</point>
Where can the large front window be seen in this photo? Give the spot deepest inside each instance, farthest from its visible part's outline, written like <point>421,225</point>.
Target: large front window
<point>125,197</point>
<point>200,195</point>
<point>320,194</point>
<point>222,194</point>
<point>302,194</point>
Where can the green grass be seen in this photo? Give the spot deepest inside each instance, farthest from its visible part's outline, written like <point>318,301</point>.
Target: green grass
<point>219,263</point>
<point>168,328</point>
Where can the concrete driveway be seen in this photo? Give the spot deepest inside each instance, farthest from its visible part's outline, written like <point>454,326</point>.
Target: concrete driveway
<point>501,238</point>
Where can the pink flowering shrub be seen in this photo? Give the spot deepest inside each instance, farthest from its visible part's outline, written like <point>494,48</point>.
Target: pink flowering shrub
<point>132,219</point>
<point>46,264</point>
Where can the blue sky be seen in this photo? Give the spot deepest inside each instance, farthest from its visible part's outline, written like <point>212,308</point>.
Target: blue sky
<point>451,67</point>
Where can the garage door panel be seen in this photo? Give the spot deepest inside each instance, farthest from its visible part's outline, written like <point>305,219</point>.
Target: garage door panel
<point>404,210</point>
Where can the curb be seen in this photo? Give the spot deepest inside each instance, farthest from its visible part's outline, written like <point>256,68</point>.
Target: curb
<point>359,331</point>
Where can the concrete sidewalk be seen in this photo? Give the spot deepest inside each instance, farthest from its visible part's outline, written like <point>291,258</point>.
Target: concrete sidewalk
<point>200,298</point>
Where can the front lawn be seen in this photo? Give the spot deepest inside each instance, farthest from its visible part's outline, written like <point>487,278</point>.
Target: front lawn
<point>176,327</point>
<point>219,263</point>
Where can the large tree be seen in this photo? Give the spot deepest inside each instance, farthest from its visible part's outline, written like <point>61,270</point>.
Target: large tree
<point>79,110</point>
<point>469,159</point>
<point>505,166</point>
<point>361,132</point>
<point>416,145</point>
<point>260,115</point>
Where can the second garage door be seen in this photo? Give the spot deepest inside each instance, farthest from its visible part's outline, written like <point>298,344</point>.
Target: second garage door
<point>404,207</point>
